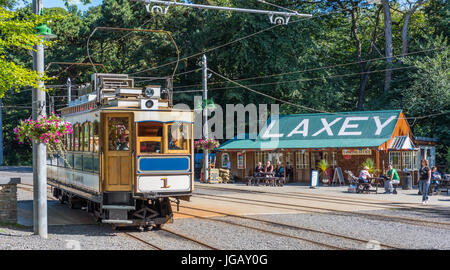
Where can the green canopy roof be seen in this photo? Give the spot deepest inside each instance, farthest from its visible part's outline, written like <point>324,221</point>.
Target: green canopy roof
<point>322,130</point>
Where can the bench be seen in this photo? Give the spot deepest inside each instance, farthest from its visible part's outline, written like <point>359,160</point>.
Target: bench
<point>265,180</point>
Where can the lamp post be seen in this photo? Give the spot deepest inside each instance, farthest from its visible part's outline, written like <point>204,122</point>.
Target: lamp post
<point>39,148</point>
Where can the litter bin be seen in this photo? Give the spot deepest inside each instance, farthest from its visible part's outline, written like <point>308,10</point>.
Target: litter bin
<point>406,181</point>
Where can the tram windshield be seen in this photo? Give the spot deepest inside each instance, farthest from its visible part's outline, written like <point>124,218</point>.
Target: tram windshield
<point>159,138</point>
<point>178,137</point>
<point>150,137</point>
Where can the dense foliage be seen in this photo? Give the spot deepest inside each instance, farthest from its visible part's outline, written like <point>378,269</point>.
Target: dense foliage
<point>335,61</point>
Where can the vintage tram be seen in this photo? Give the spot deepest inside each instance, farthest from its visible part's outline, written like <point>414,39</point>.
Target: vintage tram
<point>129,153</point>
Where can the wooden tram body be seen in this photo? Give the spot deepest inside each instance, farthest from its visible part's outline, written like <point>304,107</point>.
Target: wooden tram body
<point>124,160</point>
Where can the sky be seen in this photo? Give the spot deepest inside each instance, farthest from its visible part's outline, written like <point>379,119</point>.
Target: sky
<point>60,3</point>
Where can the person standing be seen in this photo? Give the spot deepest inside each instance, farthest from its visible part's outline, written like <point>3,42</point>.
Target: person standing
<point>392,178</point>
<point>424,180</point>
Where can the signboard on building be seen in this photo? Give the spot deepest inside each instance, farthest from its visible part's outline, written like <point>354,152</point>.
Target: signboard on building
<point>357,152</point>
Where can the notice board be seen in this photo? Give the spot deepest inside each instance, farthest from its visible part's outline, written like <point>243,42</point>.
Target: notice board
<point>314,178</point>
<point>214,175</point>
<point>338,176</point>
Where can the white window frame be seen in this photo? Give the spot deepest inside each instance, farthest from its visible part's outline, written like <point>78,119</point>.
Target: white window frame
<point>396,166</point>
<point>240,166</point>
<point>224,164</point>
<point>302,160</point>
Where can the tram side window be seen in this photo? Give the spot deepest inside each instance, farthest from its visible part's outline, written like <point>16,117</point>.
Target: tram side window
<point>95,136</point>
<point>178,136</point>
<point>150,137</point>
<point>118,134</point>
<point>86,137</point>
<point>76,138</point>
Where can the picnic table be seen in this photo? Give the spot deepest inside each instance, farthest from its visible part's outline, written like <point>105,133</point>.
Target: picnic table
<point>372,182</point>
<point>268,179</point>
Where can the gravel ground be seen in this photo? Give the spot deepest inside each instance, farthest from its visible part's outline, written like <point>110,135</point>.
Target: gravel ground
<point>67,237</point>
<point>226,236</point>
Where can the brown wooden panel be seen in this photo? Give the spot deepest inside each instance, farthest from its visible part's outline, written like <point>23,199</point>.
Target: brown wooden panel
<point>125,176</point>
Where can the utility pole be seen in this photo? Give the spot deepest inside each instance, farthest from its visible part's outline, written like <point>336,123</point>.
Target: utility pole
<point>39,148</point>
<point>205,118</point>
<point>1,134</point>
<point>69,91</point>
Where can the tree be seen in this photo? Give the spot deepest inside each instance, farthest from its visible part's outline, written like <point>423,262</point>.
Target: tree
<point>18,33</point>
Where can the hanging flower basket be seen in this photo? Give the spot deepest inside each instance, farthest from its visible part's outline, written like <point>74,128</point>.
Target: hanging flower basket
<point>209,144</point>
<point>49,130</point>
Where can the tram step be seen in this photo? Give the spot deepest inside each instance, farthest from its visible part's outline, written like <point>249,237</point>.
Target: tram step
<point>119,207</point>
<point>116,221</point>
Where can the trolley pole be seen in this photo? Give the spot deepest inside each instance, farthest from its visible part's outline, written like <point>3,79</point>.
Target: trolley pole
<point>39,149</point>
<point>205,118</point>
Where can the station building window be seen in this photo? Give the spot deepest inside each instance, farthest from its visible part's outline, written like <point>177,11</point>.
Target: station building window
<point>225,159</point>
<point>240,160</point>
<point>395,159</point>
<point>302,160</point>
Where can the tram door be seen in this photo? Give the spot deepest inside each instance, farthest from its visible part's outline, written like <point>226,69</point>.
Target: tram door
<point>118,152</point>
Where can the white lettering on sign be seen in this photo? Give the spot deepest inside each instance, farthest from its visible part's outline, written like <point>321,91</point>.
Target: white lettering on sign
<point>327,126</point>
<point>269,128</point>
<point>347,125</point>
<point>304,131</point>
<point>381,126</point>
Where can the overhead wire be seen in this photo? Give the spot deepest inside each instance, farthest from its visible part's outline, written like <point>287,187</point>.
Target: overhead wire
<point>314,69</point>
<point>298,80</point>
<point>233,41</point>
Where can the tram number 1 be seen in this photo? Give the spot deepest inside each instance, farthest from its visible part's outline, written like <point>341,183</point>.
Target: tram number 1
<point>164,179</point>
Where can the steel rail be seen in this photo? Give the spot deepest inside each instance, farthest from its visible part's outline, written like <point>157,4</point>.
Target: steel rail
<point>289,226</point>
<point>142,240</point>
<point>331,211</point>
<point>330,198</point>
<point>267,231</point>
<point>189,238</point>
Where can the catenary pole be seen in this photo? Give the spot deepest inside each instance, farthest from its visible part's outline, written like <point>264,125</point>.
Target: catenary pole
<point>205,118</point>
<point>39,148</point>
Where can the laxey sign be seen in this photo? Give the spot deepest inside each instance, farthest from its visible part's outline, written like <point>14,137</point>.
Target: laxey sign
<point>328,126</point>
<point>324,130</point>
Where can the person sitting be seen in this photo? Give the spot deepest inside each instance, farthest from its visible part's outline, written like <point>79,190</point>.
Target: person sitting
<point>392,178</point>
<point>435,177</point>
<point>269,168</point>
<point>364,175</point>
<point>259,170</point>
<point>280,171</point>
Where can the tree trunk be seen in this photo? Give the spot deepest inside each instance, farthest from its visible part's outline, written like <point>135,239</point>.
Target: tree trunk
<point>405,27</point>
<point>388,38</point>
<point>365,77</point>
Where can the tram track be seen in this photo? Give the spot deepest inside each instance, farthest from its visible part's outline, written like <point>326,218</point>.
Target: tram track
<point>331,199</point>
<point>278,224</point>
<point>323,210</point>
<point>181,236</point>
<point>130,235</point>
